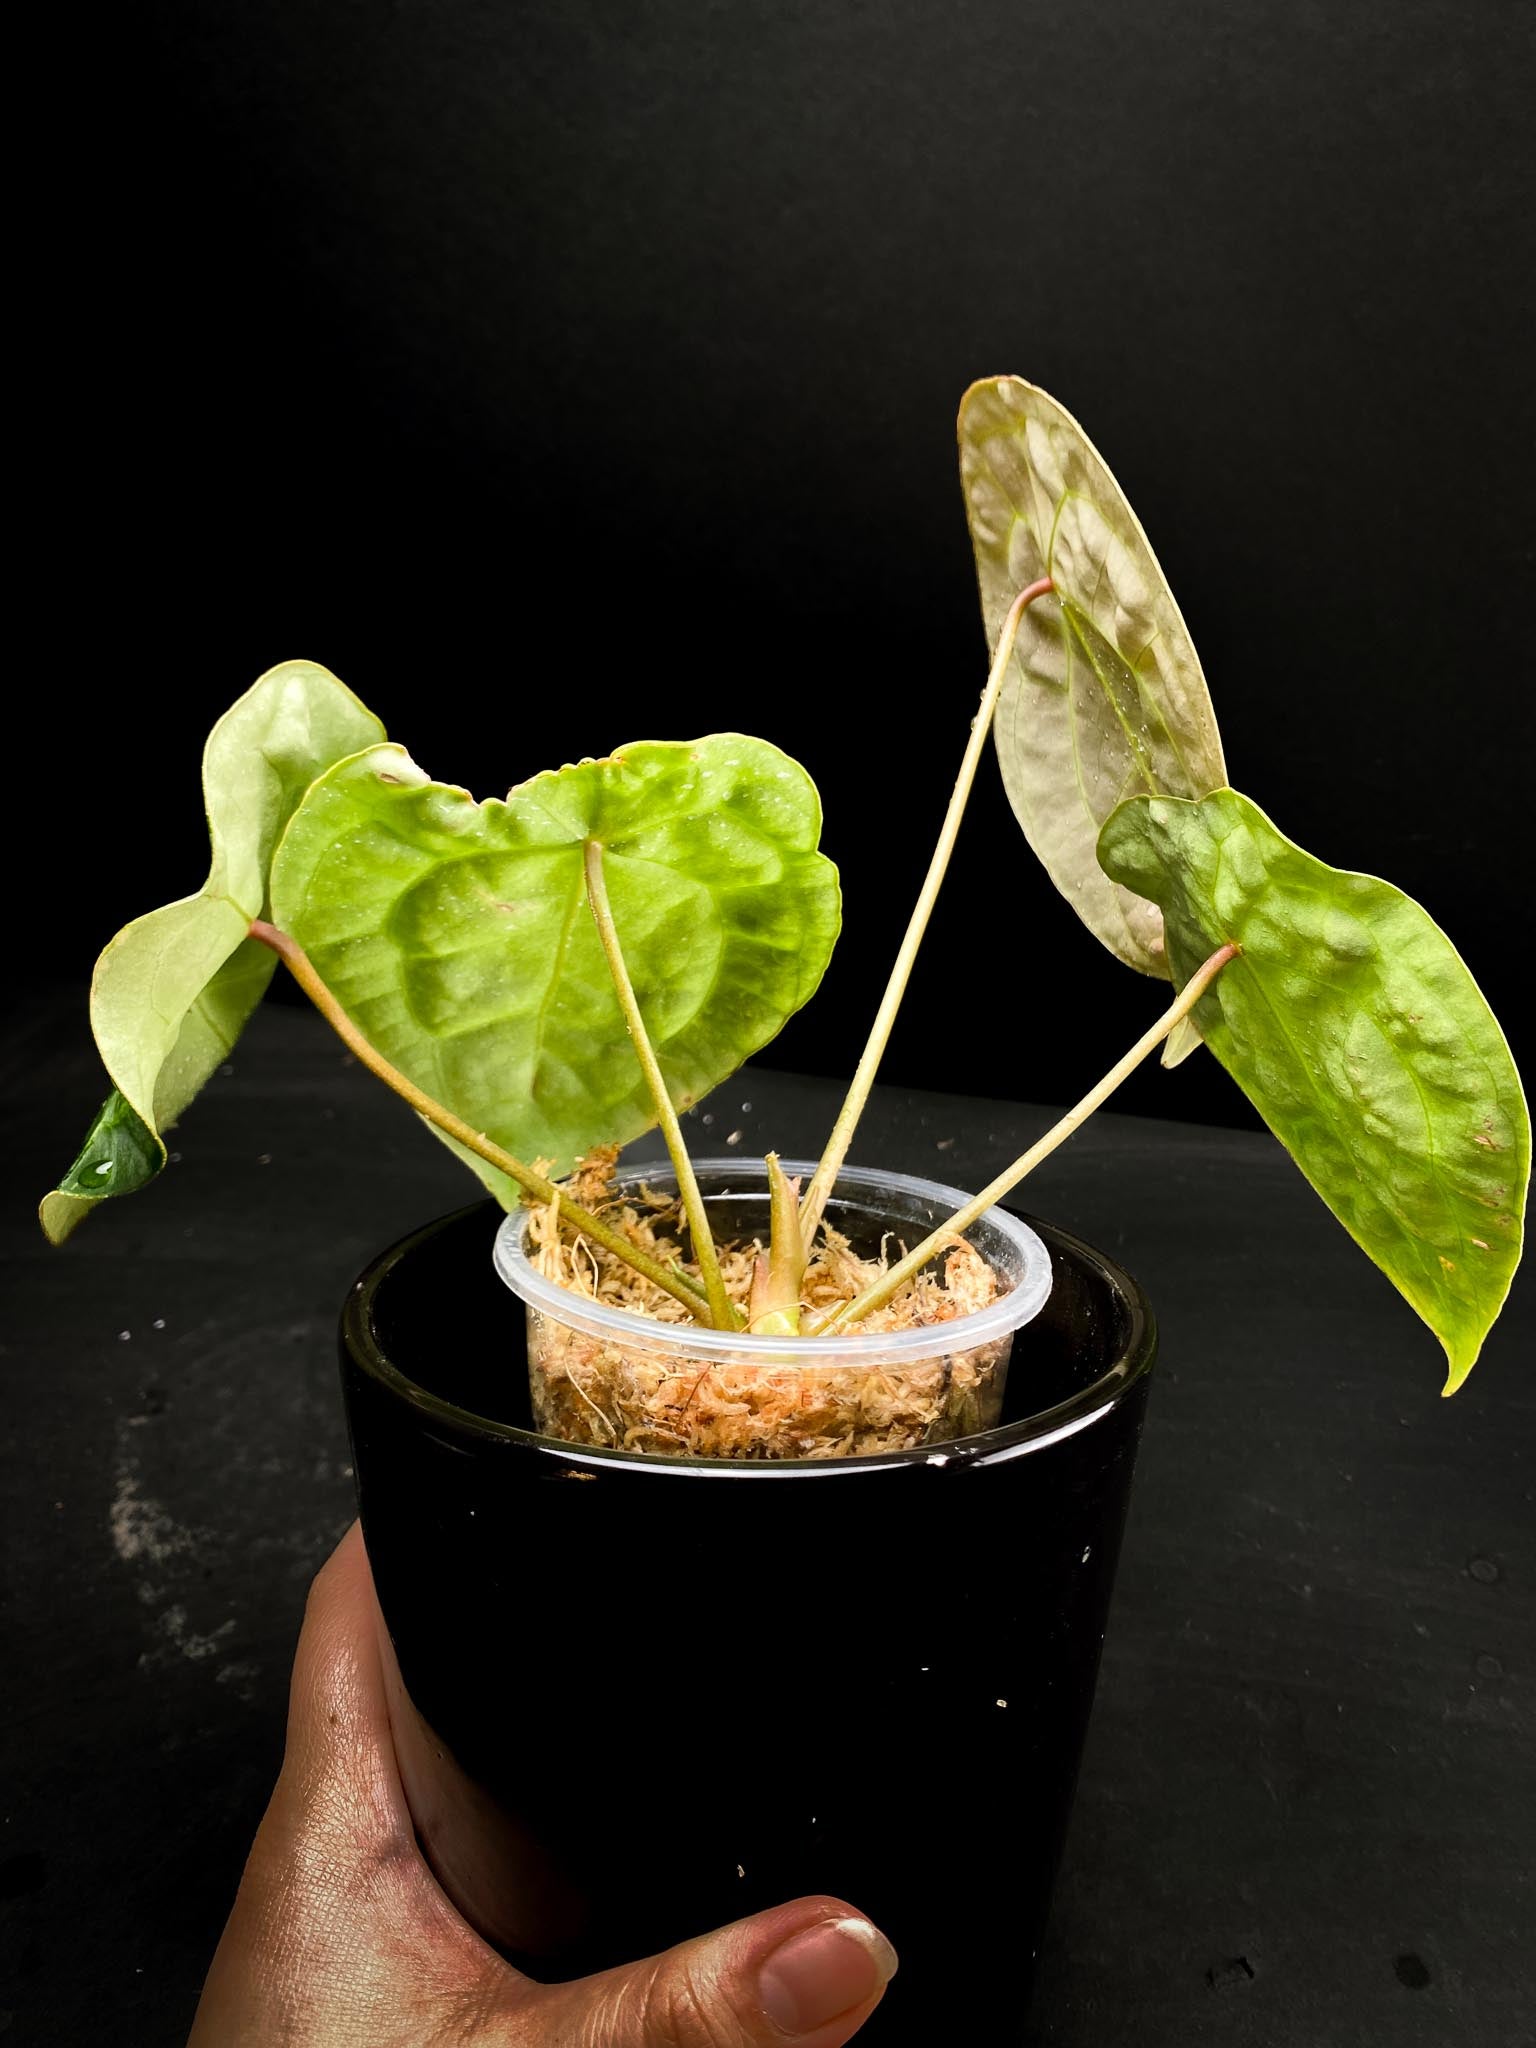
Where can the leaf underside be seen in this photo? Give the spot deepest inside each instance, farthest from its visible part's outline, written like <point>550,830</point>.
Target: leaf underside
<point>457,935</point>
<point>172,992</point>
<point>1353,1026</point>
<point>1105,698</point>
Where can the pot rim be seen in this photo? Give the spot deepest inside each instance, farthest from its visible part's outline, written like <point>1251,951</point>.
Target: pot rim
<point>1006,1243</point>
<point>1009,1440</point>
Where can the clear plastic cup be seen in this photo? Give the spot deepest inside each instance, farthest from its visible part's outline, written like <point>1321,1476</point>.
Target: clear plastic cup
<point>606,1376</point>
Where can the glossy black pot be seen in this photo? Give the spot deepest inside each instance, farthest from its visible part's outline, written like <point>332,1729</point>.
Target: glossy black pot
<point>640,1697</point>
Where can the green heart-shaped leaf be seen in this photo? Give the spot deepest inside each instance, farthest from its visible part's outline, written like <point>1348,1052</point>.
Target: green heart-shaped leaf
<point>457,935</point>
<point>173,990</point>
<point>1104,698</point>
<point>1353,1026</point>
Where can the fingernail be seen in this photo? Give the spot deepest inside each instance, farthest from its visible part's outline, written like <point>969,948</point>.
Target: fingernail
<point>824,1971</point>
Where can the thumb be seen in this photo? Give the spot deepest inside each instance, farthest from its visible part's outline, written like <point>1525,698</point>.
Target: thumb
<point>807,1974</point>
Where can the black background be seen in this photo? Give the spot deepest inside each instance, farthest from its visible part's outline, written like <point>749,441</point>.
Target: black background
<point>566,374</point>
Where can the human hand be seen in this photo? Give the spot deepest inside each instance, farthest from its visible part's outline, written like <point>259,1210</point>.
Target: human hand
<point>341,1937</point>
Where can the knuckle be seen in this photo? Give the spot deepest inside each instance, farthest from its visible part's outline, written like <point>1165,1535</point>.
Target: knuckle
<point>680,2008</point>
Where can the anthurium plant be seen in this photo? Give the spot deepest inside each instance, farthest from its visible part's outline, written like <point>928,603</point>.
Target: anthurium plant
<point>558,971</point>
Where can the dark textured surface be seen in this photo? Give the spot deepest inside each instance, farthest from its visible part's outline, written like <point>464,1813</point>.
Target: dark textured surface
<point>1310,1786</point>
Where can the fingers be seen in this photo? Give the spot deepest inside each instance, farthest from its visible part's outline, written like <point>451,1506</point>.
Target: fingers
<point>806,1975</point>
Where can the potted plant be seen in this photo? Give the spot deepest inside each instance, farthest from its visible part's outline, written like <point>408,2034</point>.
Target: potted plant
<point>824,1609</point>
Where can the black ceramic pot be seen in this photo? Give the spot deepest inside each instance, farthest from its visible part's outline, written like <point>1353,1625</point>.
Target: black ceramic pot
<point>640,1697</point>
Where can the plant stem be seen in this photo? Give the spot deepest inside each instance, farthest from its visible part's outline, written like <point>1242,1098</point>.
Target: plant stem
<point>721,1310</point>
<point>831,1164</point>
<point>299,965</point>
<point>777,1283</point>
<point>876,1296</point>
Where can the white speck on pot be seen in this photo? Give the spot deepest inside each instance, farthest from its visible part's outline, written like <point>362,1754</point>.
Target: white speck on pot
<point>1002,1703</point>
<point>125,1336</point>
<point>263,1158</point>
<point>159,1323</point>
<point>734,1138</point>
<point>739,1871</point>
<point>708,1117</point>
<point>746,1109</point>
<point>1087,1552</point>
<point>939,1458</point>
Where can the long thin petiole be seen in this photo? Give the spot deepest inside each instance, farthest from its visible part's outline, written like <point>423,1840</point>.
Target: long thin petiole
<point>722,1312</point>
<point>815,1200</point>
<point>876,1296</point>
<point>299,965</point>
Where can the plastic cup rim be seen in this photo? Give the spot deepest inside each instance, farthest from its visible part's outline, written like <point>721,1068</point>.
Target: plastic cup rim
<point>998,1320</point>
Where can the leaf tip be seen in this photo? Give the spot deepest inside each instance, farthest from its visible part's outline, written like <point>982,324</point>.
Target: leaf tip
<point>974,390</point>
<point>59,1213</point>
<point>968,398</point>
<point>1456,1378</point>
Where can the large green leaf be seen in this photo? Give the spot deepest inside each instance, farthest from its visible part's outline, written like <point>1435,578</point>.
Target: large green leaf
<point>1353,1026</point>
<point>173,990</point>
<point>457,935</point>
<point>1105,698</point>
